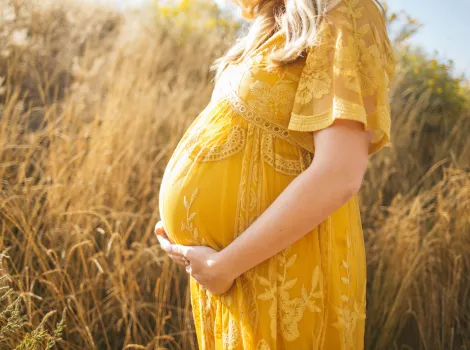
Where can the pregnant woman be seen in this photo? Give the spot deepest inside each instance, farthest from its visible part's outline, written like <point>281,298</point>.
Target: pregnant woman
<point>260,197</point>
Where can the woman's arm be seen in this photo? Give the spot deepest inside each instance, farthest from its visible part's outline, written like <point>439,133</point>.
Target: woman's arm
<point>333,177</point>
<point>336,173</point>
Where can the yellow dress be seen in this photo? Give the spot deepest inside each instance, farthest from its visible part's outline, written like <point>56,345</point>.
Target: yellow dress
<point>253,138</point>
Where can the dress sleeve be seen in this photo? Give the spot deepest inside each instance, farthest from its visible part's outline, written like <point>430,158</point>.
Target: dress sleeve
<point>347,74</point>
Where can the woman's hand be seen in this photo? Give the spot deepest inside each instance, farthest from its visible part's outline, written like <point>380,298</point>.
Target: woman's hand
<point>201,262</point>
<point>163,239</point>
<point>204,265</point>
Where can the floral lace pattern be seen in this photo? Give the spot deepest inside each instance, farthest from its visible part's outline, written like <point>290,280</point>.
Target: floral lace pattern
<point>291,310</point>
<point>286,166</point>
<point>347,75</point>
<point>232,144</point>
<point>277,99</point>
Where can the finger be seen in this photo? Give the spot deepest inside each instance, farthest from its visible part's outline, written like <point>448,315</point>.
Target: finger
<point>164,243</point>
<point>180,250</point>
<point>178,258</point>
<point>188,269</point>
<point>163,239</point>
<point>178,261</point>
<point>160,229</point>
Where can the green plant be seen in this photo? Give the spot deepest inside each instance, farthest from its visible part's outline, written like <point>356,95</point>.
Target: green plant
<point>14,325</point>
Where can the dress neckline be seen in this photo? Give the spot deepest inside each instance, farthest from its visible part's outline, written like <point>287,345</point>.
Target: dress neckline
<point>262,48</point>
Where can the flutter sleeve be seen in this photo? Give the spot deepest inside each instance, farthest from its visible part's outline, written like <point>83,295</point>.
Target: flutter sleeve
<point>348,73</point>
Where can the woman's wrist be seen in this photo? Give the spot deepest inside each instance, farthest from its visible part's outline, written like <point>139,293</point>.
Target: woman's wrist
<point>224,267</point>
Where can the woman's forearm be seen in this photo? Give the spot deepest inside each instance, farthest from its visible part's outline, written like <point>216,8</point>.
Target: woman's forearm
<point>308,200</point>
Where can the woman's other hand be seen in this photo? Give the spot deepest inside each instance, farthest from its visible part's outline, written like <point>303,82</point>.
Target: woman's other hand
<point>164,241</point>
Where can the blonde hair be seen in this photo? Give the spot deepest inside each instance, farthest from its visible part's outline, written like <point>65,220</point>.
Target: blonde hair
<point>298,21</point>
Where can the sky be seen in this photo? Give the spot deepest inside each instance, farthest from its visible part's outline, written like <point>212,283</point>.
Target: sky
<point>446,27</point>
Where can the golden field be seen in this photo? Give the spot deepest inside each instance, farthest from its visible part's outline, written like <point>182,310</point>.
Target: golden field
<point>92,103</point>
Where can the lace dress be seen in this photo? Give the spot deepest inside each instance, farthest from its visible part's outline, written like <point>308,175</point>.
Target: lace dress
<point>253,138</point>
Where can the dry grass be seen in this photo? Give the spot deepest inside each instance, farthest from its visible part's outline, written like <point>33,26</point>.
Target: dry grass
<point>92,105</point>
<point>419,265</point>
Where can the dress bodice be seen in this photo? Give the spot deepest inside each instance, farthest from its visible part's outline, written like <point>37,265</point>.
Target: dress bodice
<point>270,94</point>
<point>264,97</point>
<point>347,74</point>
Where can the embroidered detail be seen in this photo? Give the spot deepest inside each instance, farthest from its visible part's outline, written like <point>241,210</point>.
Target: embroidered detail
<point>191,140</point>
<point>260,119</point>
<point>230,339</point>
<point>341,109</point>
<point>284,310</point>
<point>249,193</point>
<point>264,119</point>
<point>248,210</point>
<point>317,66</point>
<point>348,53</point>
<point>209,333</point>
<point>347,74</point>
<point>233,75</point>
<point>277,99</point>
<point>356,53</point>
<point>263,345</point>
<point>234,143</point>
<point>347,318</point>
<point>286,166</point>
<point>306,159</point>
<point>189,225</point>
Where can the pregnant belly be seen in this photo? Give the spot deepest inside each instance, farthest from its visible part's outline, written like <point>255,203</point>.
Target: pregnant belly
<point>198,200</point>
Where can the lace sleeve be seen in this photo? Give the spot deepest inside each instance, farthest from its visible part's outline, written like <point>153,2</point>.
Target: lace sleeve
<point>348,73</point>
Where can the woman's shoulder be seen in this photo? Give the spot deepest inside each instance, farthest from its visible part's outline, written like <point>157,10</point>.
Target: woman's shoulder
<point>357,28</point>
<point>355,10</point>
<point>347,72</point>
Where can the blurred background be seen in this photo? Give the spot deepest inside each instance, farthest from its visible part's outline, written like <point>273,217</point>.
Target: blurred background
<point>94,96</point>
